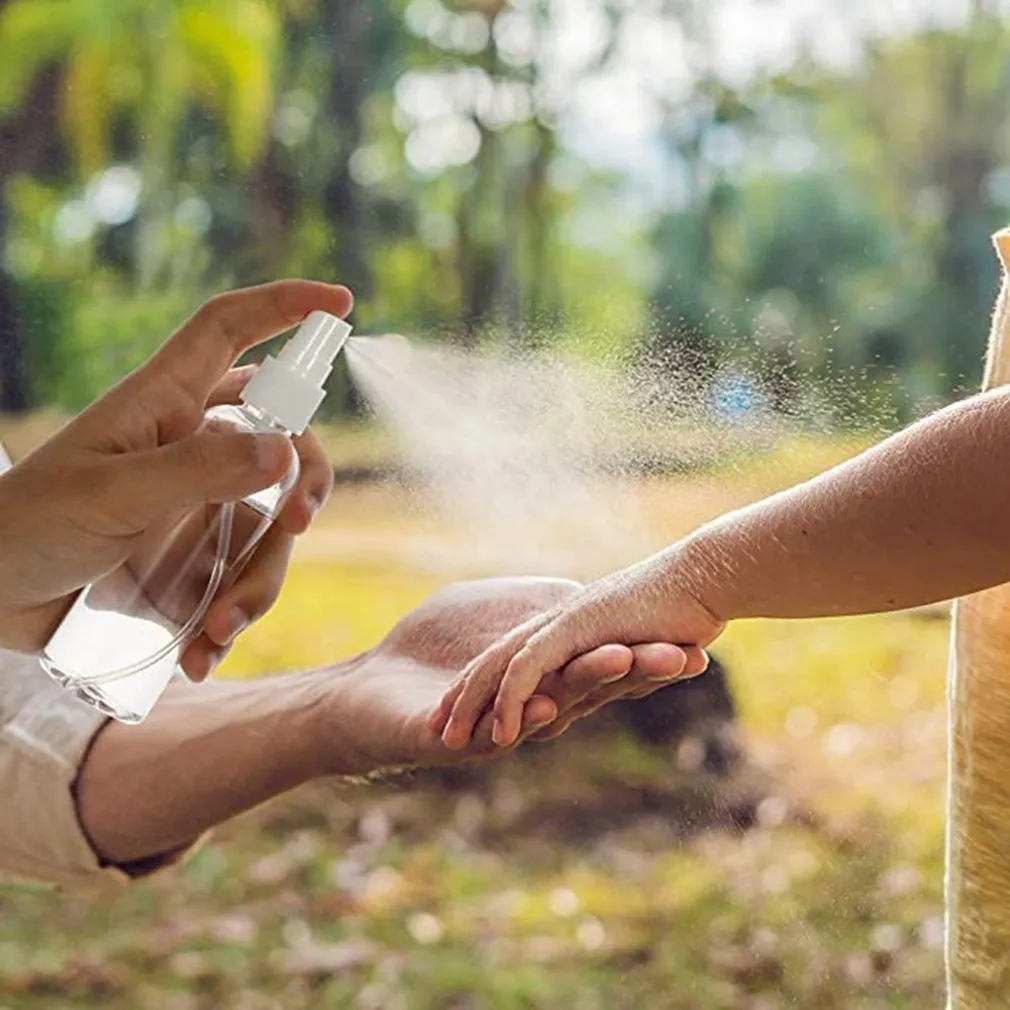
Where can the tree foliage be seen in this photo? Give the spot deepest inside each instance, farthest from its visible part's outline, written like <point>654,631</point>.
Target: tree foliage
<point>808,225</point>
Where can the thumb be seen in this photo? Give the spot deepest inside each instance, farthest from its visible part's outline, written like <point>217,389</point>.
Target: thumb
<point>208,467</point>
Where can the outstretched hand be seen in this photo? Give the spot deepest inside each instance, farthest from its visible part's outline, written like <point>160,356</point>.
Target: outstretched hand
<point>389,698</point>
<point>644,603</point>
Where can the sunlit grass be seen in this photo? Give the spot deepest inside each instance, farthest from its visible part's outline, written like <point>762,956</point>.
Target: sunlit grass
<point>328,612</point>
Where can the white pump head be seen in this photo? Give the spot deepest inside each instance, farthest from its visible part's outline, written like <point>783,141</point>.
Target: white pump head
<point>289,388</point>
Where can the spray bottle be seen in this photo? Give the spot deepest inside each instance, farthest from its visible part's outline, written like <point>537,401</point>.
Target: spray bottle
<point>121,641</point>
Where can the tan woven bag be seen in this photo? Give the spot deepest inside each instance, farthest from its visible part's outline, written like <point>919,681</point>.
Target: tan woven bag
<point>978,825</point>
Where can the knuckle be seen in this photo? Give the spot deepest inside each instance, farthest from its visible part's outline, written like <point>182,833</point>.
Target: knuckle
<point>198,454</point>
<point>467,705</point>
<point>178,415</point>
<point>516,666</point>
<point>216,314</point>
<point>207,316</point>
<point>214,307</point>
<point>284,300</point>
<point>246,451</point>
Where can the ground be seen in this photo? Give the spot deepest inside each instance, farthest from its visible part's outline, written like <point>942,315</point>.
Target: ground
<point>404,896</point>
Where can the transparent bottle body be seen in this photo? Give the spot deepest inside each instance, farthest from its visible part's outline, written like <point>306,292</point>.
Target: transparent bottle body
<point>120,643</point>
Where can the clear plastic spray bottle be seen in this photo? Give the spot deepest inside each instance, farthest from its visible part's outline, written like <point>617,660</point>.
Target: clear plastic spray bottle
<point>121,641</point>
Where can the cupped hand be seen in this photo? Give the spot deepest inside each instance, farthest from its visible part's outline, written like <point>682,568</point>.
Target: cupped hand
<point>645,603</point>
<point>388,701</point>
<point>77,507</point>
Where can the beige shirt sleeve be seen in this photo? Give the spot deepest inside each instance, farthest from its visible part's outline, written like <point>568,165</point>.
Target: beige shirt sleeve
<point>45,734</point>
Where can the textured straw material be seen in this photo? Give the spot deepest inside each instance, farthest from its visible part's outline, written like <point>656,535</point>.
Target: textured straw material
<point>978,832</point>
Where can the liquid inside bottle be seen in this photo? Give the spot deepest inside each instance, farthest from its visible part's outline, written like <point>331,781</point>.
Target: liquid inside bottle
<point>121,642</point>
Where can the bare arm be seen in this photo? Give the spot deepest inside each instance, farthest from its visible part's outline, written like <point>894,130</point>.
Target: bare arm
<point>919,518</point>
<point>202,756</point>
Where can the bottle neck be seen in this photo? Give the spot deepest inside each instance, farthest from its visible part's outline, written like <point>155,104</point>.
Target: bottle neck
<point>262,420</point>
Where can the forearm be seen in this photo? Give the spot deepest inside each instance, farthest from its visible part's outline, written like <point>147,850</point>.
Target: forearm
<point>920,518</point>
<point>205,754</point>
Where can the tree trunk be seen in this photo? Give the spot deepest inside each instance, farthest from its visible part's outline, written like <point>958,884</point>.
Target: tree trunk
<point>14,398</point>
<point>971,155</point>
<point>28,143</point>
<point>476,250</point>
<point>542,297</point>
<point>349,24</point>
<point>482,258</point>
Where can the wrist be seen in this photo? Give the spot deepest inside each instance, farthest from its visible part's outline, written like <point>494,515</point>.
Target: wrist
<point>339,739</point>
<point>308,725</point>
<point>700,568</point>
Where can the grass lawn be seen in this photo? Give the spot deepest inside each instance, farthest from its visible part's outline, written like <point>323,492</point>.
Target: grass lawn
<point>403,897</point>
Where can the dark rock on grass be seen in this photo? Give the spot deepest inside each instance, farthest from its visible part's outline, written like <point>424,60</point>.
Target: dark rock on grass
<point>674,759</point>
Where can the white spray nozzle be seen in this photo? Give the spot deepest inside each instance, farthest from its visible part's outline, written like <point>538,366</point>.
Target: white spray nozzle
<point>313,349</point>
<point>289,388</point>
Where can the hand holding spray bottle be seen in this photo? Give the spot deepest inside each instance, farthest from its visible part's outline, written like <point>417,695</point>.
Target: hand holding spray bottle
<point>121,641</point>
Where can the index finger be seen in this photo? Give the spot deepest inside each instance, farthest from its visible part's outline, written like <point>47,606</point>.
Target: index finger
<point>221,330</point>
<point>315,484</point>
<point>550,648</point>
<point>480,682</point>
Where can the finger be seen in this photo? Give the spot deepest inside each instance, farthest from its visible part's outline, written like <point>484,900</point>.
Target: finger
<point>656,665</point>
<point>539,713</point>
<point>659,661</point>
<point>592,704</point>
<point>481,742</point>
<point>697,661</point>
<point>481,679</point>
<point>440,716</point>
<point>315,483</point>
<point>586,674</point>
<point>208,467</point>
<point>547,649</point>
<point>473,701</point>
<point>254,593</point>
<point>229,389</point>
<point>657,672</point>
<point>229,324</point>
<point>201,658</point>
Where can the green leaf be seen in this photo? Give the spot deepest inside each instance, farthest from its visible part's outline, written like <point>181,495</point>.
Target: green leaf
<point>237,44</point>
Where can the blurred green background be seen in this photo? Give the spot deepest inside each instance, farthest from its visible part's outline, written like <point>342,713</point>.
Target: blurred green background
<point>794,192</point>
<point>798,187</point>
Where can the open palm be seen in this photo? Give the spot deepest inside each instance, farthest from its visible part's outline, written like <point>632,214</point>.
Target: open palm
<point>394,689</point>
